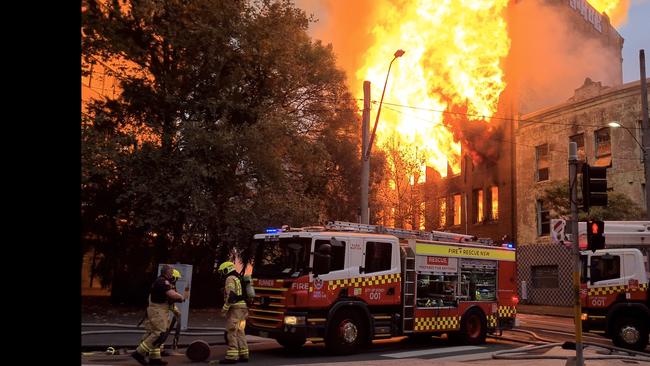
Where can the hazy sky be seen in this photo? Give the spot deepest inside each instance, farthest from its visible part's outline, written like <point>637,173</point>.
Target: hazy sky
<point>636,32</point>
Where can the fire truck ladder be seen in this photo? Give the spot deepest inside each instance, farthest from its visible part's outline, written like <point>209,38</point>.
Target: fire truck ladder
<point>408,291</point>
<point>405,233</point>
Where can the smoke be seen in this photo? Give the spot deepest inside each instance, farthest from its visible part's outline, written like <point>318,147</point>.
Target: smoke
<point>347,26</point>
<point>553,50</point>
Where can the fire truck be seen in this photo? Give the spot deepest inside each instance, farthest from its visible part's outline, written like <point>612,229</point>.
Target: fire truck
<point>614,285</point>
<point>347,284</point>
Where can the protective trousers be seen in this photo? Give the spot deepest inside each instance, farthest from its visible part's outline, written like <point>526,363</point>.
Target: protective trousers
<point>235,325</point>
<point>156,324</point>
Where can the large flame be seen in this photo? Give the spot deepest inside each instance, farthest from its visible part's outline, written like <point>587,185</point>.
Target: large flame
<point>454,50</point>
<point>615,9</point>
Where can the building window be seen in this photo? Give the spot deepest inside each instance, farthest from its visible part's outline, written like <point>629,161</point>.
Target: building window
<point>477,206</point>
<point>457,209</point>
<point>543,219</point>
<point>541,161</point>
<point>603,147</point>
<point>545,277</point>
<point>442,212</point>
<point>494,203</point>
<point>378,257</point>
<point>579,139</point>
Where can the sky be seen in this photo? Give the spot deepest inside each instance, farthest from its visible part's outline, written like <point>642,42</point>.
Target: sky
<point>636,33</point>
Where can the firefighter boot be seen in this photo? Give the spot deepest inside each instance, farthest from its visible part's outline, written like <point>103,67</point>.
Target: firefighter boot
<point>139,357</point>
<point>243,359</point>
<point>157,361</point>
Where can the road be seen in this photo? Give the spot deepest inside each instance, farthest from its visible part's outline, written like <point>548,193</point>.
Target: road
<point>268,353</point>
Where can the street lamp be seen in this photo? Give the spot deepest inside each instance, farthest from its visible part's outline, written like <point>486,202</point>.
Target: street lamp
<point>367,145</point>
<point>398,53</point>
<point>646,164</point>
<point>615,124</point>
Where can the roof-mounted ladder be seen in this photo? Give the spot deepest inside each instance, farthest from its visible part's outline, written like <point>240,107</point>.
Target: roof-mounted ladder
<point>405,233</point>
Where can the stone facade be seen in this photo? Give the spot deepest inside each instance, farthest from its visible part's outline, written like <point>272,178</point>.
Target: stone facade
<point>542,140</point>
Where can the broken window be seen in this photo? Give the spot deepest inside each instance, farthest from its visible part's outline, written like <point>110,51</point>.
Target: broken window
<point>603,147</point>
<point>442,212</point>
<point>477,206</point>
<point>494,203</point>
<point>457,209</point>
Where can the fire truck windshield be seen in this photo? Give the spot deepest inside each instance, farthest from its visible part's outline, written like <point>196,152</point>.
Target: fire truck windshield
<point>283,258</point>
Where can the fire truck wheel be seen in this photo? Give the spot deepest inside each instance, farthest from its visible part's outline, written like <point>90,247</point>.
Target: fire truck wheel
<point>347,332</point>
<point>291,344</point>
<point>473,329</point>
<point>631,333</point>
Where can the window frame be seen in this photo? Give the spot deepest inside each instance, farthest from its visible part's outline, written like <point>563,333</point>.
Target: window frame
<point>367,257</point>
<point>546,167</point>
<point>540,209</point>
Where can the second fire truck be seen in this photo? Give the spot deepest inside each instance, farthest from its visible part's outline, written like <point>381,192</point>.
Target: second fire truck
<point>346,284</point>
<point>614,295</point>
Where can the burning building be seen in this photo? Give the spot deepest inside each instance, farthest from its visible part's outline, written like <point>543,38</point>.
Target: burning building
<point>469,71</point>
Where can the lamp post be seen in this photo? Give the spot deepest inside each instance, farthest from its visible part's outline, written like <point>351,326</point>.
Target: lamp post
<point>646,165</point>
<point>367,145</point>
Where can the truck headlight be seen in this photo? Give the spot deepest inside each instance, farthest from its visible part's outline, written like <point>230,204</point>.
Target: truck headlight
<point>584,316</point>
<point>294,320</point>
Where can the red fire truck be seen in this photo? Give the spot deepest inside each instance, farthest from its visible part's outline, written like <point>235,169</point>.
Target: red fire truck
<point>346,284</point>
<point>614,293</point>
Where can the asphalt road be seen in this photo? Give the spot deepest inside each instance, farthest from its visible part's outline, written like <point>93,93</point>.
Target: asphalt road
<point>268,353</point>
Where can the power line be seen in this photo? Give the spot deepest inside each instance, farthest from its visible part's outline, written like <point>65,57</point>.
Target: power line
<point>510,142</point>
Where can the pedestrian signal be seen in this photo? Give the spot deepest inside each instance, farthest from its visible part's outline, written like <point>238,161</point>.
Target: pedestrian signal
<point>595,237</point>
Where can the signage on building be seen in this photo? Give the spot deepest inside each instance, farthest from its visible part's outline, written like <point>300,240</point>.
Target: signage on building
<point>588,12</point>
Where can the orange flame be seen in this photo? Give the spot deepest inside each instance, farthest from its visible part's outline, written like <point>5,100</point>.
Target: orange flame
<point>454,50</point>
<point>616,10</point>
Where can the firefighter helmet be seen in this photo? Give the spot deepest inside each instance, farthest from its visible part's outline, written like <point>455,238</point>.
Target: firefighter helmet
<point>226,267</point>
<point>176,275</point>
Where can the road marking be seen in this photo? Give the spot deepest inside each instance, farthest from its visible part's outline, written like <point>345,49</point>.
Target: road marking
<point>431,351</point>
<point>470,357</point>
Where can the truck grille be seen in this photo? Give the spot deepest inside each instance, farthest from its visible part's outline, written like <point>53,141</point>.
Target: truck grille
<point>268,307</point>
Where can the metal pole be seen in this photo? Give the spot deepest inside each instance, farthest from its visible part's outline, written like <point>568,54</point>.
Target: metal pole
<point>374,129</point>
<point>645,128</point>
<point>365,159</point>
<point>573,194</point>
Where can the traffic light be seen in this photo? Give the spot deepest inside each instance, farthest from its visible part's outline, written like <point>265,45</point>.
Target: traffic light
<point>594,186</point>
<point>595,237</point>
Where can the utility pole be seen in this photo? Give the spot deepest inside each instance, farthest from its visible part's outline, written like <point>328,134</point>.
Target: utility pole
<point>365,159</point>
<point>573,195</point>
<point>645,130</point>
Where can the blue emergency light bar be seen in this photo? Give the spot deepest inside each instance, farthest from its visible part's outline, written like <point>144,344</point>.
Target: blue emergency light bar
<point>271,230</point>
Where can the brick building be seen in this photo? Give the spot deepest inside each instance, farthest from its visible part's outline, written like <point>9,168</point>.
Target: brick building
<point>555,45</point>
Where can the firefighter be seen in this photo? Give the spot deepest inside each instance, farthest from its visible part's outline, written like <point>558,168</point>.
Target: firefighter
<point>157,320</point>
<point>236,312</point>
<point>176,275</point>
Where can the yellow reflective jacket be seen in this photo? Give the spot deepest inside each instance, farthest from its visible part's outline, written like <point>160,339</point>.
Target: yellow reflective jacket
<point>233,293</point>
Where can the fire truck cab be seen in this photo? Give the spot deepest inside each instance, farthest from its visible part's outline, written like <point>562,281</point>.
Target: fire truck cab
<point>346,284</point>
<point>614,293</point>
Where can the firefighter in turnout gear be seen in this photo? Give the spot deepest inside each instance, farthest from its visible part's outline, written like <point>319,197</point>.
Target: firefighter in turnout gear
<point>176,275</point>
<point>161,294</point>
<point>236,312</point>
